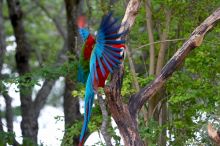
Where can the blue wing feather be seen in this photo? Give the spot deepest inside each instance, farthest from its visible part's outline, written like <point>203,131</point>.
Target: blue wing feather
<point>113,48</point>
<point>115,35</point>
<point>115,41</point>
<point>106,37</point>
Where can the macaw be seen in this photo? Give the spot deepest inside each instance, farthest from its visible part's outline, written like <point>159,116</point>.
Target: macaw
<point>99,56</point>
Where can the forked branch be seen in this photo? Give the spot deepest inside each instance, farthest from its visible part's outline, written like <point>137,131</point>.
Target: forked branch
<point>125,115</point>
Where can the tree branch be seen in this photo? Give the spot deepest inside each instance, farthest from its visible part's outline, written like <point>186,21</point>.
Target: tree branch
<point>45,90</point>
<point>195,40</point>
<point>158,42</point>
<point>150,37</point>
<point>127,126</point>
<point>125,115</point>
<point>213,134</point>
<point>8,112</point>
<point>42,95</point>
<point>104,131</point>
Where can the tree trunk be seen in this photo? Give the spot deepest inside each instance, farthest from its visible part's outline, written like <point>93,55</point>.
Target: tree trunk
<point>2,37</point>
<point>150,37</point>
<point>8,112</point>
<point>71,104</point>
<point>29,125</point>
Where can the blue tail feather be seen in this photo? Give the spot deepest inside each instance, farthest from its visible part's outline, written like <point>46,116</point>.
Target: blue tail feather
<point>89,97</point>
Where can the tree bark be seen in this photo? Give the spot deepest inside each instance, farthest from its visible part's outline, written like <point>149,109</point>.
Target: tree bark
<point>127,126</point>
<point>29,124</point>
<point>71,104</point>
<point>213,134</point>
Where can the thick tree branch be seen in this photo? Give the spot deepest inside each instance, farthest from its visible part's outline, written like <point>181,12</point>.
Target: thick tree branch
<point>213,134</point>
<point>195,40</point>
<point>42,95</point>
<point>48,84</point>
<point>127,126</point>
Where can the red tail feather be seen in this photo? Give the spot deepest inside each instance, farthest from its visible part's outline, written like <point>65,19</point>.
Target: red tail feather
<point>81,142</point>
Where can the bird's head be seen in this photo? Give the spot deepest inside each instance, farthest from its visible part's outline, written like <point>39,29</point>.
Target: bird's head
<point>81,21</point>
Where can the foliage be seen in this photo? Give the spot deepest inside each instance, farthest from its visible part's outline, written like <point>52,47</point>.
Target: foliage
<point>151,131</point>
<point>6,137</point>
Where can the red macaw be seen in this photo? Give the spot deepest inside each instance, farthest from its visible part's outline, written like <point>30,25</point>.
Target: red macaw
<point>98,58</point>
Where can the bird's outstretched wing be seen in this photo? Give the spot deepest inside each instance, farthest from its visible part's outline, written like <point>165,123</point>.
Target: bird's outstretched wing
<point>105,55</point>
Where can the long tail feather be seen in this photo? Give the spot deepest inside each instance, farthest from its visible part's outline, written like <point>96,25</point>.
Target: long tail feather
<point>89,97</point>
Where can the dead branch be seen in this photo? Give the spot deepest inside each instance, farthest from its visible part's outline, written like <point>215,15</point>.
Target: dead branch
<point>195,40</point>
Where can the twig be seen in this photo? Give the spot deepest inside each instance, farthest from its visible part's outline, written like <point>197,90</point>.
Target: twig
<point>173,40</point>
<point>158,42</point>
